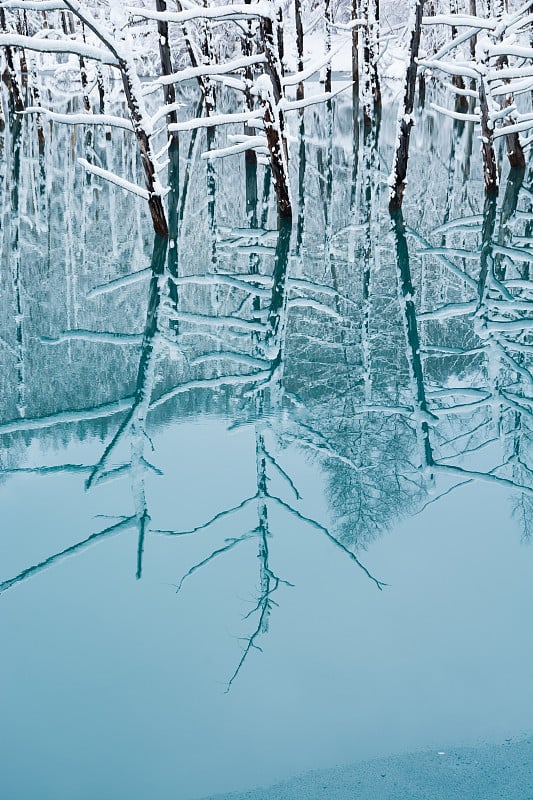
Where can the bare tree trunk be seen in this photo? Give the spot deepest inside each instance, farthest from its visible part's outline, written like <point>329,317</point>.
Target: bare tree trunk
<point>22,54</point>
<point>461,102</point>
<point>250,156</point>
<point>208,57</point>
<point>375,35</point>
<point>472,7</point>
<point>262,528</point>
<point>406,294</point>
<point>101,89</point>
<point>274,118</point>
<point>169,94</point>
<point>10,77</point>
<point>299,45</point>
<point>301,185</point>
<point>202,81</point>
<point>405,120</point>
<point>328,19</point>
<point>487,143</point>
<point>38,120</point>
<point>355,62</point>
<point>515,153</point>
<point>369,10</point>
<point>165,54</point>
<point>277,145</point>
<point>155,203</point>
<point>69,27</point>
<point>120,48</point>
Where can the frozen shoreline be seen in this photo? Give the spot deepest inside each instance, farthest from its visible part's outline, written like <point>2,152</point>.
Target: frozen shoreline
<point>488,772</point>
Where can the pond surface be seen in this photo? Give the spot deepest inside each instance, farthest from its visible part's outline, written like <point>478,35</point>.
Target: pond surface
<point>266,493</point>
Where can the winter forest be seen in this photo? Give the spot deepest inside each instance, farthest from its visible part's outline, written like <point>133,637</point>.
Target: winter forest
<point>266,381</point>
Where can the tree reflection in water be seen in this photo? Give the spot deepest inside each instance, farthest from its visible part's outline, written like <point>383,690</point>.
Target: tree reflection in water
<point>394,353</point>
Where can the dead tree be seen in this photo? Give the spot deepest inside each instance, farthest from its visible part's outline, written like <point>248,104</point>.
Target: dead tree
<point>371,91</point>
<point>405,116</point>
<point>119,45</point>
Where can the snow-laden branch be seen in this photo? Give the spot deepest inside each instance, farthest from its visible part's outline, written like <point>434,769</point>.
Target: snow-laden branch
<point>106,533</point>
<point>40,45</point>
<point>102,337</point>
<point>81,119</point>
<point>461,21</point>
<point>216,119</point>
<point>205,69</point>
<point>237,11</point>
<point>315,66</point>
<point>295,105</point>
<point>70,416</point>
<point>140,191</point>
<point>466,69</point>
<point>257,143</point>
<point>460,115</point>
<point>34,5</point>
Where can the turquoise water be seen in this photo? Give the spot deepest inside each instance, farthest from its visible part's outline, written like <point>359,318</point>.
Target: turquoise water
<point>266,495</point>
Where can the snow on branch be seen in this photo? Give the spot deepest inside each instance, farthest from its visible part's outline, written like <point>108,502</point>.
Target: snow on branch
<point>460,115</point>
<point>216,119</point>
<point>466,70</point>
<point>106,533</point>
<point>205,69</point>
<point>227,12</point>
<point>295,105</point>
<point>461,21</point>
<point>116,179</point>
<point>315,66</point>
<point>81,119</point>
<point>41,45</point>
<point>257,143</point>
<point>34,5</point>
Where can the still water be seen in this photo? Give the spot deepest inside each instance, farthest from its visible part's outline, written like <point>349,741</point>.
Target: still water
<point>267,493</point>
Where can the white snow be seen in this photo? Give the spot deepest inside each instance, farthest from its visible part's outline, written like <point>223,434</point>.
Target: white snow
<point>486,772</point>
<point>116,179</point>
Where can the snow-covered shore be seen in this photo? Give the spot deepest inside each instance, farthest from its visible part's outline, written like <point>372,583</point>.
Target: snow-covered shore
<point>488,772</point>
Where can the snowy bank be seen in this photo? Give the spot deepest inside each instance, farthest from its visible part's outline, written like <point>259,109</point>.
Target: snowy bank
<point>489,772</point>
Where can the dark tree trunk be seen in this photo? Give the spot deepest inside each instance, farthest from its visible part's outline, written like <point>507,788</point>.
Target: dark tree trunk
<point>278,157</point>
<point>369,10</point>
<point>328,19</point>
<point>473,41</point>
<point>355,61</point>
<point>487,144</point>
<point>406,292</point>
<point>299,45</point>
<point>10,76</point>
<point>250,156</point>
<point>166,63</point>
<point>405,122</point>
<point>274,119</point>
<point>155,203</point>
